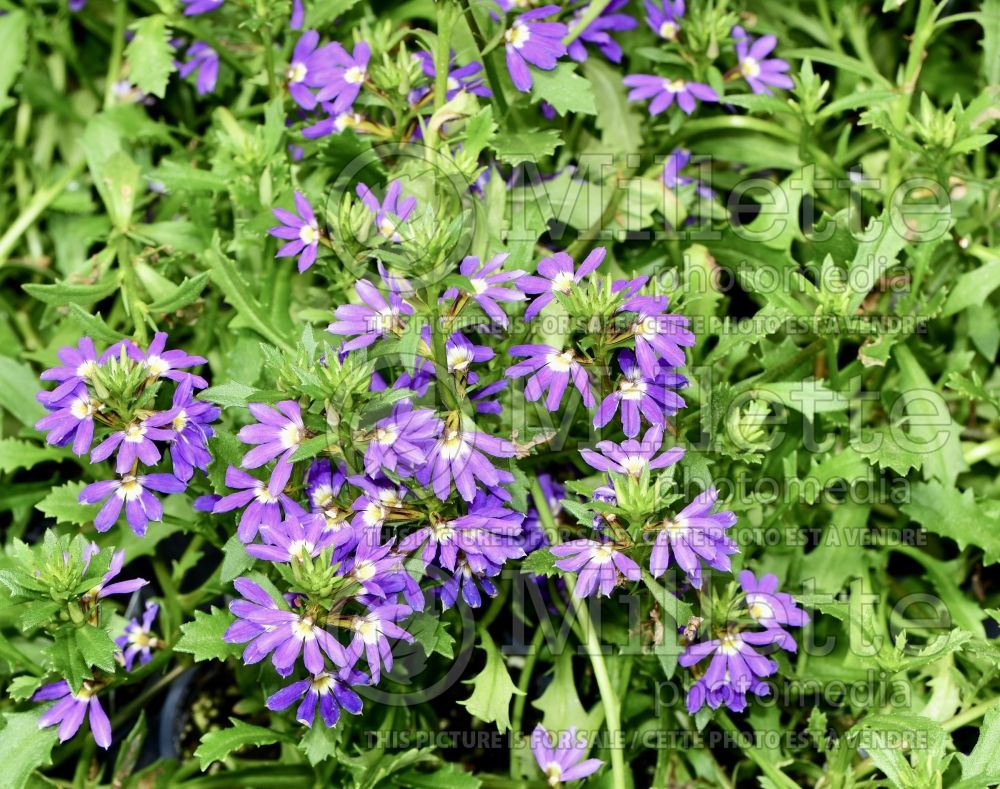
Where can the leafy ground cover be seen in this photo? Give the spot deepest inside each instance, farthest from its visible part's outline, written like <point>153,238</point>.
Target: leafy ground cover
<point>494,394</point>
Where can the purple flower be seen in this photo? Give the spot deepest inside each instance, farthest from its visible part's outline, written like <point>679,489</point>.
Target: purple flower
<point>324,692</point>
<point>556,275</point>
<point>488,282</point>
<point>76,5</point>
<point>467,77</point>
<point>204,60</point>
<point>695,532</point>
<point>657,334</point>
<point>138,639</point>
<point>367,322</point>
<point>70,709</point>
<point>343,75</point>
<point>263,510</point>
<point>771,608</point>
<point>460,455</point>
<point>294,540</point>
<point>559,757</point>
<point>302,232</point>
<point>533,531</point>
<point>298,16</point>
<point>481,394</point>
<point>373,566</point>
<point>133,493</point>
<point>287,634</point>
<point>598,32</point>
<point>277,434</point>
<point>166,364</point>
<point>375,504</point>
<point>71,420</point>
<point>401,441</point>
<point>467,580</point>
<point>372,632</point>
<point>673,179</point>
<point>756,68</point>
<point>664,17</point>
<point>190,429</point>
<point>310,62</point>
<point>461,354</point>
<point>537,43</point>
<point>134,443</point>
<point>633,457</point>
<point>195,7</point>
<point>639,396</point>
<point>489,530</point>
<point>391,212</point>
<point>663,91</point>
<point>106,589</point>
<point>78,366</point>
<point>735,670</point>
<point>598,566</point>
<point>550,369</point>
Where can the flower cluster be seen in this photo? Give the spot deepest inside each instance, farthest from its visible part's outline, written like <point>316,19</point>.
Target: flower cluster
<point>118,398</point>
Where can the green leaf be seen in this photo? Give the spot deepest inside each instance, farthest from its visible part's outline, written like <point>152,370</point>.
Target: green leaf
<point>564,89</point>
<point>217,745</point>
<point>16,454</point>
<point>96,647</point>
<point>14,45</point>
<point>559,703</point>
<point>319,743</point>
<point>63,504</point>
<point>23,687</point>
<point>530,146</point>
<point>66,658</point>
<point>24,746</point>
<point>18,387</point>
<point>150,56</point>
<point>448,776</point>
<point>185,293</point>
<point>492,688</point>
<point>202,637</point>
<point>617,118</point>
<point>177,177</point>
<point>128,754</point>
<point>956,514</point>
<point>542,561</point>
<point>62,292</point>
<point>989,18</point>
<point>984,761</point>
<point>883,447</point>
<point>431,633</point>
<point>232,394</point>
<point>92,324</point>
<point>235,560</point>
<point>972,288</point>
<point>808,397</point>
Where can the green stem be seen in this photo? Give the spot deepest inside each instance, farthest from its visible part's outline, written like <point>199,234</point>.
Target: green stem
<point>609,699</point>
<point>171,602</point>
<point>982,451</point>
<point>778,778</point>
<point>117,49</point>
<point>34,209</point>
<point>522,684</point>
<point>491,73</point>
<point>593,11</point>
<point>130,290</point>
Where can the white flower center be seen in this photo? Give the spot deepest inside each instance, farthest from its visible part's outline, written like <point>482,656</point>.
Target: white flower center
<point>322,496</point>
<point>309,234</point>
<point>384,320</point>
<point>387,435</point>
<point>451,445</point>
<point>300,549</point>
<point>297,72</point>
<point>368,629</point>
<point>134,433</point>
<point>364,570</point>
<point>459,358</point>
<point>517,35</point>
<point>129,488</point>
<point>157,366</point>
<point>760,608</point>
<point>442,531</point>
<point>264,496</point>
<point>355,75</point>
<point>632,389</point>
<point>674,85</point>
<point>668,30</point>
<point>479,286</point>
<point>322,684</point>
<point>374,513</point>
<point>560,362</point>
<point>563,281</point>
<point>86,369</point>
<point>180,421</point>
<point>453,84</point>
<point>730,644</point>
<point>749,67</point>
<point>646,327</point>
<point>83,408</point>
<point>291,435</point>
<point>303,629</point>
<point>602,554</point>
<point>634,465</point>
